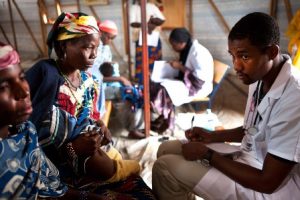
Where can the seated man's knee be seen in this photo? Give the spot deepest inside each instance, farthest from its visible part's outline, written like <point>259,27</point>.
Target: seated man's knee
<point>169,147</point>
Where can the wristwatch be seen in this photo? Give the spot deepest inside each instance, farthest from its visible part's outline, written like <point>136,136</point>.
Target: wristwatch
<point>205,161</point>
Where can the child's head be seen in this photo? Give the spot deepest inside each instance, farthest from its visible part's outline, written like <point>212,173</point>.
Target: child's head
<point>106,69</point>
<point>15,100</point>
<point>261,29</point>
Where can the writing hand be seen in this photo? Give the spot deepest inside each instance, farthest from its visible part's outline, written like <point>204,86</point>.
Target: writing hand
<point>199,134</point>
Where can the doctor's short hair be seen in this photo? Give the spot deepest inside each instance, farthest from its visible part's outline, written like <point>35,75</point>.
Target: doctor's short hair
<point>261,29</point>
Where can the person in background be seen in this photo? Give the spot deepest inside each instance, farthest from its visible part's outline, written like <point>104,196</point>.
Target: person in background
<point>132,97</point>
<point>112,81</point>
<point>195,79</point>
<point>112,84</point>
<point>108,32</point>
<point>268,167</point>
<point>155,18</point>
<point>25,171</point>
<point>65,112</point>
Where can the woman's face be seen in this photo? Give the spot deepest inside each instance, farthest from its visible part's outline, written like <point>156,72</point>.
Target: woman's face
<point>81,52</point>
<point>106,38</point>
<point>15,100</point>
<point>177,46</point>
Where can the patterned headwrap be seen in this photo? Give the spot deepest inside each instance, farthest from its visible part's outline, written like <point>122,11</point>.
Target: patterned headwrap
<point>71,25</point>
<point>8,56</point>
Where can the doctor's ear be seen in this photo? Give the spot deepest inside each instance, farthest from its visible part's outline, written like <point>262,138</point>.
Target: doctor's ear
<point>273,51</point>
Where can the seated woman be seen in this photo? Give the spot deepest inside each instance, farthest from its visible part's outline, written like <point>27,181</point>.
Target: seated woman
<point>195,79</point>
<point>25,171</point>
<point>65,112</point>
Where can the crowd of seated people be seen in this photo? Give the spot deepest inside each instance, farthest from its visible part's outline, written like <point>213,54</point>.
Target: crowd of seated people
<point>53,143</point>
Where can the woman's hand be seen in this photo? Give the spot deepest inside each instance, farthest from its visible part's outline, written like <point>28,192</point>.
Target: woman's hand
<point>177,65</point>
<point>105,132</point>
<point>194,150</point>
<point>87,144</point>
<point>198,134</point>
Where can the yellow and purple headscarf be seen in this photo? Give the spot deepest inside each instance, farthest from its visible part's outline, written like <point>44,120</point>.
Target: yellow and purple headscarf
<point>71,25</point>
<point>8,56</point>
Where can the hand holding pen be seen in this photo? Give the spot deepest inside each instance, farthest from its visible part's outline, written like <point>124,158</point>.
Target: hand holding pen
<point>195,133</point>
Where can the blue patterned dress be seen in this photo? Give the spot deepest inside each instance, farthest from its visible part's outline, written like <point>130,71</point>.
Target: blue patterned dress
<point>25,171</point>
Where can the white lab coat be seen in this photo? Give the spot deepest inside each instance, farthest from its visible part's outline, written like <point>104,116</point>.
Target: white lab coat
<point>200,61</point>
<point>278,133</point>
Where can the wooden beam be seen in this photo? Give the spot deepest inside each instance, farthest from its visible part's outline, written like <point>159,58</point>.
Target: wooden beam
<point>273,8</point>
<point>126,27</point>
<point>4,34</point>
<point>12,26</point>
<point>78,5</point>
<point>219,15</point>
<point>288,9</point>
<point>145,64</point>
<point>191,26</point>
<point>94,13</point>
<point>42,10</point>
<point>28,28</point>
<point>57,2</point>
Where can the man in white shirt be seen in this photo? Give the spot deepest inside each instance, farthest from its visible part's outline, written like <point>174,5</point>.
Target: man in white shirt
<point>269,165</point>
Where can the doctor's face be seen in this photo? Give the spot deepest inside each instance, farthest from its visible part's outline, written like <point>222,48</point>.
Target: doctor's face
<point>249,61</point>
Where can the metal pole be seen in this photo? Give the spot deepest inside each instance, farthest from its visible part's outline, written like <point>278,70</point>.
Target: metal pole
<point>126,23</point>
<point>145,68</point>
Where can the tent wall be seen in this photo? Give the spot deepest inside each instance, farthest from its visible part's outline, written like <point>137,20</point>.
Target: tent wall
<point>206,24</point>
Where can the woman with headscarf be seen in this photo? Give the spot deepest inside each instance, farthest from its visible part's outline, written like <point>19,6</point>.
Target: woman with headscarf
<point>195,79</point>
<point>117,87</point>
<point>155,19</point>
<point>25,171</point>
<point>64,98</point>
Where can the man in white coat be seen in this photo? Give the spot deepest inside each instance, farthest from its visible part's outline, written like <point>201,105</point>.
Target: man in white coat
<point>270,137</point>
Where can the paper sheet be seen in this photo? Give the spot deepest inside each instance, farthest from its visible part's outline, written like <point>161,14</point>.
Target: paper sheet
<point>177,91</point>
<point>163,70</point>
<point>226,149</point>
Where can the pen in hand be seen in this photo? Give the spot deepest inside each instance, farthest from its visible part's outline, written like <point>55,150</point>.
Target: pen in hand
<point>200,138</point>
<point>192,123</point>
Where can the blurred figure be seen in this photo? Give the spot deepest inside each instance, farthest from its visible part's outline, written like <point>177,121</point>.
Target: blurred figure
<point>195,79</point>
<point>155,18</point>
